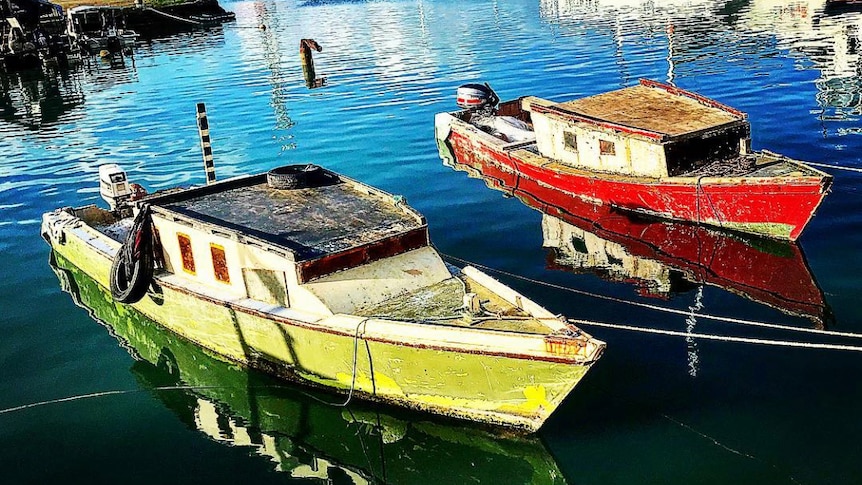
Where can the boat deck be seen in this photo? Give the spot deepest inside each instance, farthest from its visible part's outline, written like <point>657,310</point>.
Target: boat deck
<point>332,217</point>
<point>754,165</point>
<point>441,304</point>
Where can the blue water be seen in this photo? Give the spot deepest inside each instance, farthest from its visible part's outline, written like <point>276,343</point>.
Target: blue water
<point>655,409</point>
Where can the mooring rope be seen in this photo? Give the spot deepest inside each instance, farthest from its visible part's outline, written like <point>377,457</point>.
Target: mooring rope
<point>104,393</point>
<point>837,167</point>
<point>174,17</point>
<point>649,306</point>
<point>723,338</point>
<point>355,354</point>
<point>353,379</point>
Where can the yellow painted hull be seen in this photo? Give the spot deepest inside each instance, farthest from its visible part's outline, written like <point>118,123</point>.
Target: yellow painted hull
<point>243,408</point>
<point>511,390</point>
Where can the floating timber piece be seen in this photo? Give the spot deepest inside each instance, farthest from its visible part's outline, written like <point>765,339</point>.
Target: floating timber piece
<point>334,284</point>
<point>305,48</point>
<point>651,148</point>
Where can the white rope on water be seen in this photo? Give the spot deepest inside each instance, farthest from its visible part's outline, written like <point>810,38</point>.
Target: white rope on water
<point>836,167</point>
<point>649,306</point>
<point>102,394</point>
<point>174,17</point>
<point>723,338</point>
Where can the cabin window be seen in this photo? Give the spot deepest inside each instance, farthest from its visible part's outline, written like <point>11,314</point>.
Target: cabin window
<point>607,147</point>
<point>186,253</point>
<point>570,141</point>
<point>219,263</point>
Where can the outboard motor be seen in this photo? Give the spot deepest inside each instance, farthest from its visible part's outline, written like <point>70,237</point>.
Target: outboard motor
<point>113,186</point>
<point>478,97</point>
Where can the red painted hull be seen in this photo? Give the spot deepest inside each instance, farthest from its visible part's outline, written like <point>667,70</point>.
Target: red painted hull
<point>778,207</point>
<point>771,272</point>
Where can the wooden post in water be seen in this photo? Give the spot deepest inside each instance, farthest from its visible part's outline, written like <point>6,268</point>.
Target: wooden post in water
<point>306,46</point>
<point>206,146</point>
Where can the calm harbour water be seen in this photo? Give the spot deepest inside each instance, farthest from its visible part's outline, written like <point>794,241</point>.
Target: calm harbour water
<point>654,409</point>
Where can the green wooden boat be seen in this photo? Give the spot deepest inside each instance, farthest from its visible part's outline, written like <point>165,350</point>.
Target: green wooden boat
<point>297,430</point>
<point>327,281</point>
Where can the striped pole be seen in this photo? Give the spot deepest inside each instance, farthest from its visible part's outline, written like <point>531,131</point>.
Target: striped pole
<point>206,146</point>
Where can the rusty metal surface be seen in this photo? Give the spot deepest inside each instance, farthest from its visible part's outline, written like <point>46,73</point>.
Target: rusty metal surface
<point>650,109</point>
<point>311,222</point>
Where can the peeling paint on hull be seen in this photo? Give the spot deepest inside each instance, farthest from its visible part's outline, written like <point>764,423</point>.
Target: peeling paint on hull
<point>782,278</point>
<point>776,207</point>
<point>500,388</point>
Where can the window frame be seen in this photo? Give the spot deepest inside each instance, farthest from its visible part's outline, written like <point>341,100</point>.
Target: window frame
<point>570,141</point>
<point>221,273</point>
<point>607,147</point>
<point>188,264</point>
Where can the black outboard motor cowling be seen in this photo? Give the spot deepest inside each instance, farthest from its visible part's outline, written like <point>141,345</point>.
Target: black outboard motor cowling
<point>477,97</point>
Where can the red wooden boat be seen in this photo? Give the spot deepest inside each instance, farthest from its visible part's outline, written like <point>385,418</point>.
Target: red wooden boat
<point>652,148</point>
<point>659,257</point>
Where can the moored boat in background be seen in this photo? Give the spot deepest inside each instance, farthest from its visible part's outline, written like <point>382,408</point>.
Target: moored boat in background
<point>652,148</point>
<point>99,28</point>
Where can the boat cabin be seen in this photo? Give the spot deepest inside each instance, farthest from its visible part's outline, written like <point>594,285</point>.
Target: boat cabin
<point>651,130</point>
<point>333,246</point>
<point>96,28</point>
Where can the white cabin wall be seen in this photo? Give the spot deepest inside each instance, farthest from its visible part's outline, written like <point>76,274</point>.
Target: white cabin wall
<point>345,291</point>
<point>648,158</point>
<point>633,156</point>
<point>200,244</point>
<point>340,292</point>
<point>546,135</point>
<point>238,257</point>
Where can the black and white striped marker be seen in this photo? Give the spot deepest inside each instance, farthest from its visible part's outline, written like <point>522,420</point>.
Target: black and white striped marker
<point>206,145</point>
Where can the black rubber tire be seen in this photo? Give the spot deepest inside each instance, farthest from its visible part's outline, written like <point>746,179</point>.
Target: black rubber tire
<point>131,288</point>
<point>294,176</point>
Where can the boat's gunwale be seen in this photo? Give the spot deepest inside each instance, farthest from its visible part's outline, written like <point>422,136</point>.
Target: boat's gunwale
<point>90,234</point>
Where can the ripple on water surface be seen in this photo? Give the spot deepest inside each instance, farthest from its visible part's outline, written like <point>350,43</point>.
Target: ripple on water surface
<point>390,66</point>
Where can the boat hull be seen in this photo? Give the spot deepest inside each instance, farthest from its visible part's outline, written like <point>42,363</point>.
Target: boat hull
<point>776,207</point>
<point>347,354</point>
<point>233,406</point>
<point>772,272</point>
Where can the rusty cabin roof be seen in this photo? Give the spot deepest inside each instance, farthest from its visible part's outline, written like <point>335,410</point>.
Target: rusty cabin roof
<point>654,108</point>
<point>335,216</point>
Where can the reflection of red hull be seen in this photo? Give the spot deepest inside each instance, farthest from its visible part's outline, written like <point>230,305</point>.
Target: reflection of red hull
<point>777,207</point>
<point>772,272</point>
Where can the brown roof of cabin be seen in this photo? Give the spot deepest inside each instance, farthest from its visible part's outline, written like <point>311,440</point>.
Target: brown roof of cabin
<point>311,222</point>
<point>650,109</point>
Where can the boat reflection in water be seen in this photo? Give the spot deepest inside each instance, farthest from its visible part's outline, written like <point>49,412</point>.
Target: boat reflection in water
<point>298,431</point>
<point>661,258</point>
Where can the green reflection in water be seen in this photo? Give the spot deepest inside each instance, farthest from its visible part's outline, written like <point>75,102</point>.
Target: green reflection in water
<point>297,430</point>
